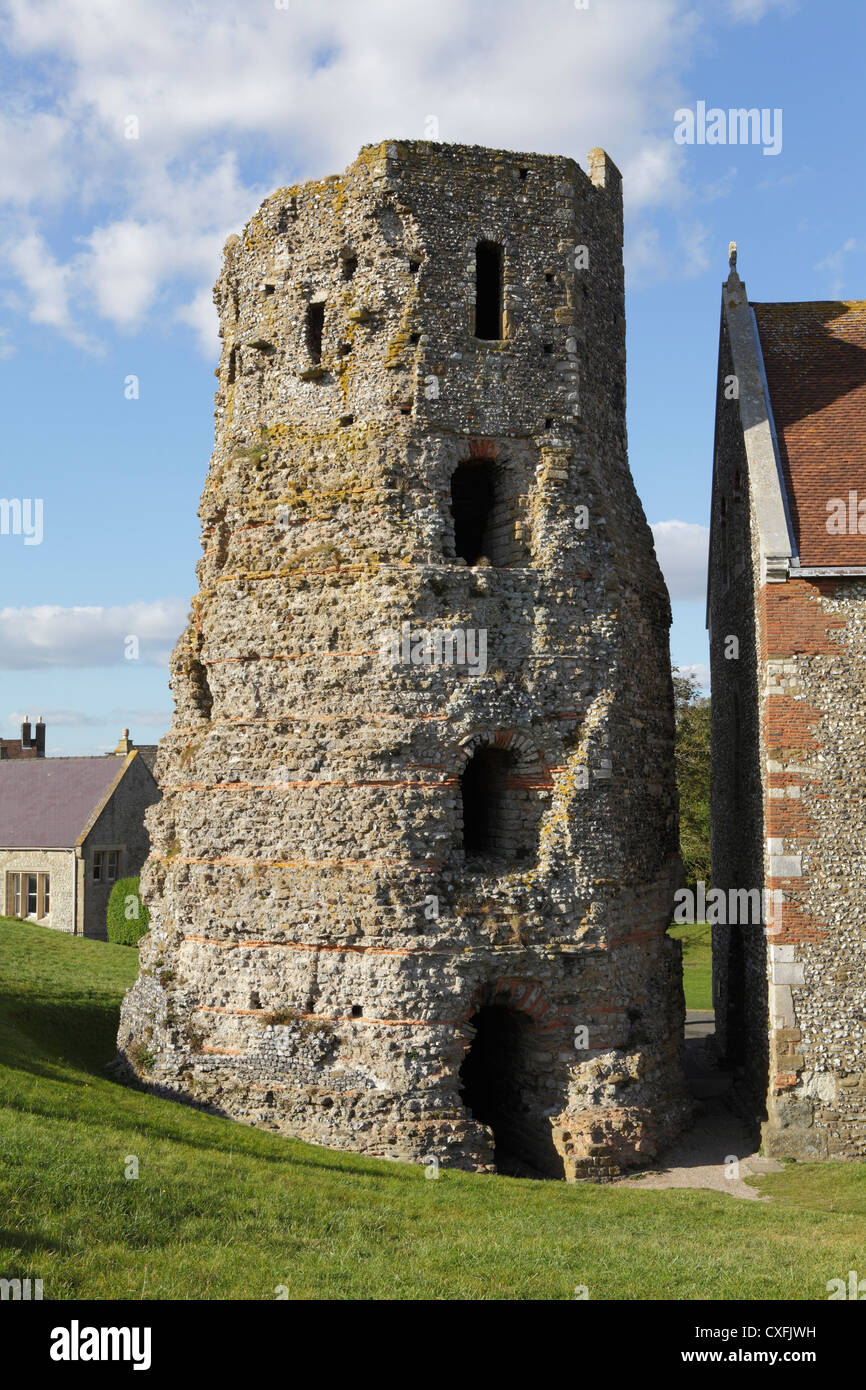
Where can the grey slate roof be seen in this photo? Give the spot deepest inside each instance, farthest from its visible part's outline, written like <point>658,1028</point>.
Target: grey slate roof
<point>46,803</point>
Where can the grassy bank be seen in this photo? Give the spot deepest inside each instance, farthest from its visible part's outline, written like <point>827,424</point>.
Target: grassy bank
<point>220,1210</point>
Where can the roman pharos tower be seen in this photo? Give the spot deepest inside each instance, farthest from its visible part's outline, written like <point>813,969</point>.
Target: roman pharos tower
<point>414,861</point>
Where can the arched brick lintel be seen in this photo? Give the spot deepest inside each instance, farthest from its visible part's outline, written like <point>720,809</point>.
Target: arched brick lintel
<point>530,762</point>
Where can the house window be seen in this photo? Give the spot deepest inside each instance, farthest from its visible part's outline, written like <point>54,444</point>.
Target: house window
<point>488,290</point>
<point>105,865</point>
<point>28,895</point>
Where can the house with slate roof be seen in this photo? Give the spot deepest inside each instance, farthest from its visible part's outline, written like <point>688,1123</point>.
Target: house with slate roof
<point>787,623</point>
<point>69,829</point>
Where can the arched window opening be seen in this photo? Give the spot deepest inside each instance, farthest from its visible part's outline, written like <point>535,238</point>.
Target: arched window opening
<point>497,819</point>
<point>488,290</point>
<point>473,497</point>
<point>504,1084</point>
<point>315,328</point>
<point>487,505</point>
<point>200,690</point>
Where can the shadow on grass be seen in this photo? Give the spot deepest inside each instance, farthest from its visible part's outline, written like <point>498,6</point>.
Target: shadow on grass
<point>27,1243</point>
<point>82,1032</point>
<point>44,1038</point>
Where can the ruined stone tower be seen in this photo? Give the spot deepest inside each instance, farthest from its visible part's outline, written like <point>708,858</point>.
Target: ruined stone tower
<point>413,865</point>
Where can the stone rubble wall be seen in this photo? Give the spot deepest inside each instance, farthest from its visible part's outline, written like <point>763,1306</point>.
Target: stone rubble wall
<point>295,976</point>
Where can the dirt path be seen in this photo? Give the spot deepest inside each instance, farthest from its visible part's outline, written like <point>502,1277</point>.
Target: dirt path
<point>716,1153</point>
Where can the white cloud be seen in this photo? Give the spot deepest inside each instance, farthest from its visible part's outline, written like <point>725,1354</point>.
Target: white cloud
<point>701,672</point>
<point>682,549</point>
<point>231,101</point>
<point>48,284</point>
<point>124,269</point>
<point>835,263</point>
<point>49,635</point>
<point>32,156</point>
<point>202,316</point>
<point>752,11</point>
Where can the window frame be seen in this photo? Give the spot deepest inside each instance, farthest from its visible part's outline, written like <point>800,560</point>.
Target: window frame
<point>19,895</point>
<point>106,865</point>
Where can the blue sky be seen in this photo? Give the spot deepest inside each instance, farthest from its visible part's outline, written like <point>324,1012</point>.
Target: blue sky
<point>111,246</point>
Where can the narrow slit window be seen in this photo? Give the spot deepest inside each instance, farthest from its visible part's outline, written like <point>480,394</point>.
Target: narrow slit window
<point>315,328</point>
<point>488,291</point>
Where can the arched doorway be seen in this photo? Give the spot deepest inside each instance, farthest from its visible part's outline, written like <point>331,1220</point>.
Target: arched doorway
<point>502,1083</point>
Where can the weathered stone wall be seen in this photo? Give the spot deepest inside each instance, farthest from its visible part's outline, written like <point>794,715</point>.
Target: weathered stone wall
<point>320,940</point>
<point>814,652</point>
<point>788,810</point>
<point>736,784</point>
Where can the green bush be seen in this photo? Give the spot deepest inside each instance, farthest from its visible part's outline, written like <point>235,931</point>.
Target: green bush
<point>127,918</point>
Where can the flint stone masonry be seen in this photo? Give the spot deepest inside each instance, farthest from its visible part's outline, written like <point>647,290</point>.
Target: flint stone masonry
<point>325,958</point>
<point>788,774</point>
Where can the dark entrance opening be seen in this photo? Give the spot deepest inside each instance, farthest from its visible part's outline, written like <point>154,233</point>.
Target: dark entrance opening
<point>500,1086</point>
<point>488,290</point>
<point>473,493</point>
<point>490,817</point>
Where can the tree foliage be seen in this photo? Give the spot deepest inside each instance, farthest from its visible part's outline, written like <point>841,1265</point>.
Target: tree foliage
<point>693,776</point>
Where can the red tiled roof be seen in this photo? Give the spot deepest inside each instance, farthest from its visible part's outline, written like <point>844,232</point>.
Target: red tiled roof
<point>46,803</point>
<point>815,360</point>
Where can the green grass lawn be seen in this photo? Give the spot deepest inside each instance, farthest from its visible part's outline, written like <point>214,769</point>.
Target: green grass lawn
<point>224,1211</point>
<point>697,963</point>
